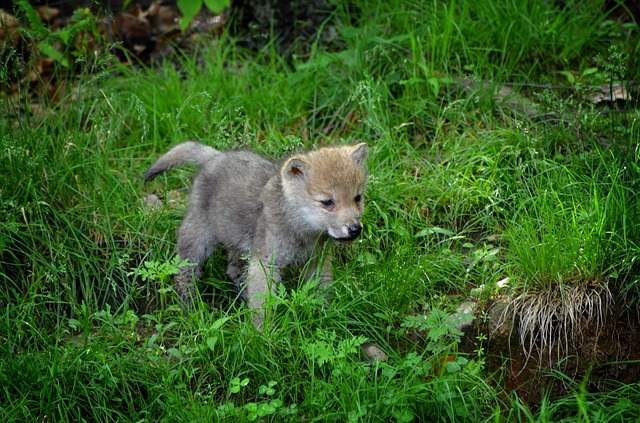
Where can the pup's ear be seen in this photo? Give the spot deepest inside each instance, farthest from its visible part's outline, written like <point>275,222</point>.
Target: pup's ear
<point>294,168</point>
<point>360,153</point>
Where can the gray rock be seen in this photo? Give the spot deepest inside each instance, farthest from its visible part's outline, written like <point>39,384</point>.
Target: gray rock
<point>373,353</point>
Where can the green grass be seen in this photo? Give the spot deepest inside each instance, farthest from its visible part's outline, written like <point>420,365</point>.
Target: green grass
<point>464,192</point>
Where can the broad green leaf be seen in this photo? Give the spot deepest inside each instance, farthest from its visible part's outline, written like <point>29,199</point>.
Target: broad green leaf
<point>211,342</point>
<point>189,9</point>
<point>452,367</point>
<point>589,71</point>
<point>218,323</point>
<point>434,230</point>
<point>405,415</point>
<point>569,75</point>
<point>175,352</point>
<point>217,6</point>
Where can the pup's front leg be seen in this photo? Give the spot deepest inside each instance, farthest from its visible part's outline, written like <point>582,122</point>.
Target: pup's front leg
<point>262,280</point>
<point>321,268</point>
<point>237,271</point>
<point>326,271</point>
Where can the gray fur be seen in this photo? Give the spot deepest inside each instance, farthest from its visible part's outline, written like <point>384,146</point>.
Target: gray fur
<point>264,211</point>
<point>187,152</point>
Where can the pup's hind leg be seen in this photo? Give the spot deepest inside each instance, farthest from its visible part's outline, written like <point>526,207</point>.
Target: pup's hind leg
<point>237,267</point>
<point>196,244</point>
<point>262,280</point>
<point>237,271</point>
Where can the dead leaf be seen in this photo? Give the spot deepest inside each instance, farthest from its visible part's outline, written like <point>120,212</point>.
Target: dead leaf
<point>163,19</point>
<point>133,30</point>
<point>48,14</point>
<point>9,28</point>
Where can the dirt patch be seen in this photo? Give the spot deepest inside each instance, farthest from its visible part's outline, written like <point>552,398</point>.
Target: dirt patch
<point>605,354</point>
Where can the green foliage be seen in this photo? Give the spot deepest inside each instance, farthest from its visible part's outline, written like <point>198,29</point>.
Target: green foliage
<point>58,44</point>
<point>251,411</point>
<point>190,9</point>
<point>160,271</point>
<point>440,330</point>
<point>465,191</point>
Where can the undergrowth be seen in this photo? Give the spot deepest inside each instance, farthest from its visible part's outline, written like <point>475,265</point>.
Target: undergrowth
<point>465,191</point>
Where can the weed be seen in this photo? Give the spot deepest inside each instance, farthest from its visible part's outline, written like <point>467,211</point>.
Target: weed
<point>160,272</point>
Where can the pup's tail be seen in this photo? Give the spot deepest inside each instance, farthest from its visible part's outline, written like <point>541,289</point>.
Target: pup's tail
<point>187,152</point>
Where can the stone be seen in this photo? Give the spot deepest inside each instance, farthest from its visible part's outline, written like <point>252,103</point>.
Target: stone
<point>373,353</point>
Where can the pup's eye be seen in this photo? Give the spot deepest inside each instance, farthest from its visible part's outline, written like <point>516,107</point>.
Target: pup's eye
<point>357,198</point>
<point>327,203</point>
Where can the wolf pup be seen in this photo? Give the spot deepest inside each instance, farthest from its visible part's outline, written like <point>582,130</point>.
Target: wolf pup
<point>267,215</point>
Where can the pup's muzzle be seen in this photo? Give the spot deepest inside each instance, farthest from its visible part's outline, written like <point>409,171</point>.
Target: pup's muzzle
<point>353,232</point>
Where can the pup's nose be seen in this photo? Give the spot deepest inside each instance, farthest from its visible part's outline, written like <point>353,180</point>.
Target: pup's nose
<point>354,230</point>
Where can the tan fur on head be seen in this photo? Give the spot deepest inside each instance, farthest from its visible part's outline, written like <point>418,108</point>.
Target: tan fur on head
<point>327,187</point>
<point>338,159</point>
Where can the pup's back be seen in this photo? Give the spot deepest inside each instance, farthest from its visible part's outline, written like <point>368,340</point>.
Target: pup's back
<point>226,196</point>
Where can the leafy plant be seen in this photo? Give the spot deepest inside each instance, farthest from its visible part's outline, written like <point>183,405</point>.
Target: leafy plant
<point>440,329</point>
<point>190,8</point>
<point>252,411</point>
<point>48,42</point>
<point>160,272</point>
